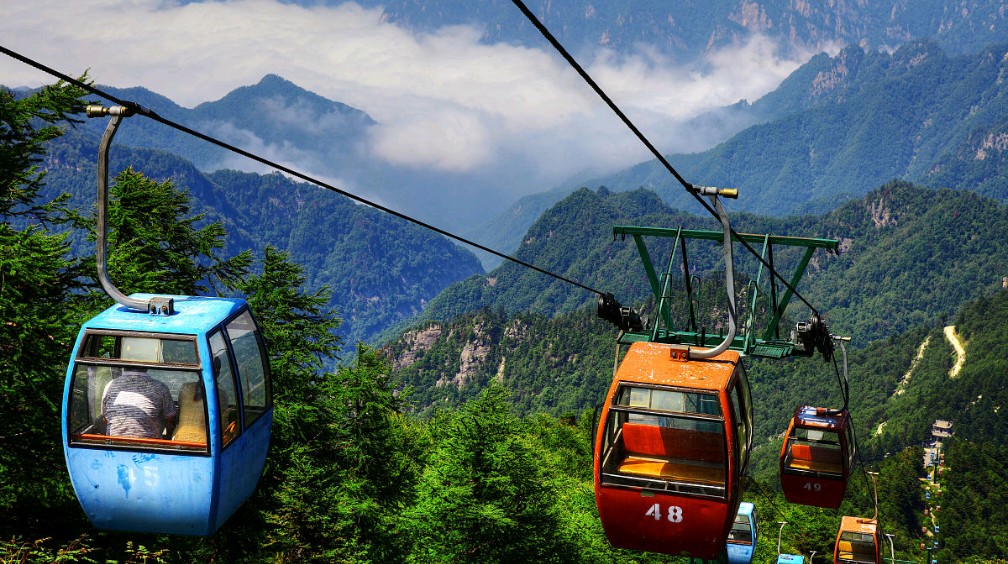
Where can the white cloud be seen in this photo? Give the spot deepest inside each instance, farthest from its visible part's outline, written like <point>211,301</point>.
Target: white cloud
<point>444,101</point>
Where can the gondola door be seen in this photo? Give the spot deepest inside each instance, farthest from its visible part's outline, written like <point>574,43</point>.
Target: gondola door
<point>241,371</point>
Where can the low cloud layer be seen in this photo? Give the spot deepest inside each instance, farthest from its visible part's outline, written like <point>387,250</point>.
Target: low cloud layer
<point>444,101</point>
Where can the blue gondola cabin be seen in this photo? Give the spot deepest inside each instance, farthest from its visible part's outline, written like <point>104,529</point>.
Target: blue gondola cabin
<point>188,472</point>
<point>743,534</point>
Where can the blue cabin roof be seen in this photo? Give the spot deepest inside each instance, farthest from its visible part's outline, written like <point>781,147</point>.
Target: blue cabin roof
<point>746,508</point>
<point>809,415</point>
<point>193,315</point>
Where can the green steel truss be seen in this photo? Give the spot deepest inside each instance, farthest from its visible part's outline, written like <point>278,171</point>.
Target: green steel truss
<point>767,344</point>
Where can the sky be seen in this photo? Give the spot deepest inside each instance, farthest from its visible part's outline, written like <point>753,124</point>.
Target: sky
<point>444,101</point>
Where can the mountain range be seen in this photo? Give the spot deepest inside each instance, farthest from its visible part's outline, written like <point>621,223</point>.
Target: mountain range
<point>921,115</point>
<point>685,29</point>
<point>910,257</point>
<point>380,269</point>
<point>837,128</point>
<point>899,154</point>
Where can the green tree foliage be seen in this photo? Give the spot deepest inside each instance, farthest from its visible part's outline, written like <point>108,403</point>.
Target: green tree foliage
<point>901,498</point>
<point>974,502</point>
<point>483,496</point>
<point>339,492</point>
<point>295,323</point>
<point>300,338</point>
<point>155,246</point>
<point>37,319</point>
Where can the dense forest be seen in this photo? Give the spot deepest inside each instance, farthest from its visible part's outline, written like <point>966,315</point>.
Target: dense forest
<point>393,457</point>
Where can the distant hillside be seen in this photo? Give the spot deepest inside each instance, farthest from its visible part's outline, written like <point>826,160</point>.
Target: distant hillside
<point>686,29</point>
<point>860,120</point>
<point>841,126</point>
<point>910,256</point>
<point>381,269</point>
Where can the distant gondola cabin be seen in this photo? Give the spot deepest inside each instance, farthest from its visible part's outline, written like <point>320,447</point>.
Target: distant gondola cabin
<point>670,450</point>
<point>859,541</point>
<point>189,475</point>
<point>817,457</point>
<point>743,535</point>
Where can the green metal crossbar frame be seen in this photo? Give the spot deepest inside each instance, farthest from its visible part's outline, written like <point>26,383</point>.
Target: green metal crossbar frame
<point>769,344</point>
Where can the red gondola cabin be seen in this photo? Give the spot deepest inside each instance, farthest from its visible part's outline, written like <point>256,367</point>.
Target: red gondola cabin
<point>672,444</point>
<point>816,457</point>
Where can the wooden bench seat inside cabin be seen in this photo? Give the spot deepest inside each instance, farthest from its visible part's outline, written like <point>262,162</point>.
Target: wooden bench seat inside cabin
<point>192,415</point>
<point>673,454</point>
<point>816,458</point>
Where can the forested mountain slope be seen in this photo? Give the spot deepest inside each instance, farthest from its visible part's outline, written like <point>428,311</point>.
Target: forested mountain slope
<point>564,364</point>
<point>381,270</point>
<point>899,386</point>
<point>910,256</point>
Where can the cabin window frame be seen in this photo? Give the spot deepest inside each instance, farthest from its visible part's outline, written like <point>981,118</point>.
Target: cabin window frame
<point>740,400</point>
<point>251,366</point>
<point>613,448</point>
<point>746,528</point>
<point>866,540</point>
<point>226,384</point>
<point>102,349</point>
<point>819,472</point>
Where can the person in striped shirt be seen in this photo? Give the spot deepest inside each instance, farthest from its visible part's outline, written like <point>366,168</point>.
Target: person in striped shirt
<point>137,405</point>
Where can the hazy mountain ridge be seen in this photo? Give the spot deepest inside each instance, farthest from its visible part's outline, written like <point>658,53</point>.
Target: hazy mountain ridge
<point>273,116</point>
<point>841,126</point>
<point>917,115</point>
<point>381,269</point>
<point>831,109</point>
<point>685,29</point>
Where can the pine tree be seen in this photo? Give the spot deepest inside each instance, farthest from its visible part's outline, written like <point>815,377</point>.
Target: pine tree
<point>155,246</point>
<point>483,497</point>
<point>37,318</point>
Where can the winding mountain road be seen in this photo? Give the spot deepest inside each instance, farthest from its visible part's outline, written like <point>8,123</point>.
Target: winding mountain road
<point>953,338</point>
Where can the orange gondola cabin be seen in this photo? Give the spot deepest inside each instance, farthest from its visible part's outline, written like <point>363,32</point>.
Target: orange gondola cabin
<point>816,457</point>
<point>670,450</point>
<point>859,541</point>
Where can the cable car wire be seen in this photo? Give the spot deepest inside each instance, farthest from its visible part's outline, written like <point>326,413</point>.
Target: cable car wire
<point>147,112</point>
<point>690,188</point>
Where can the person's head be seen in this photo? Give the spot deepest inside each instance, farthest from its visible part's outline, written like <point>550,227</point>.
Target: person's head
<point>135,371</point>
